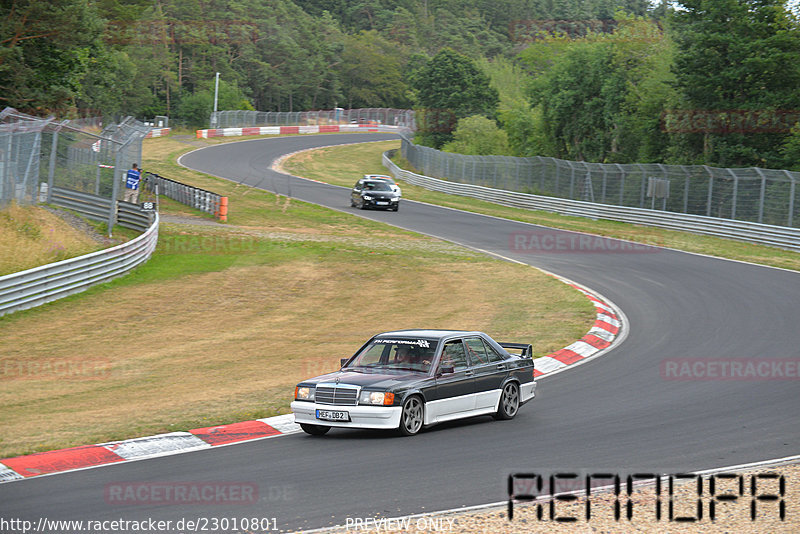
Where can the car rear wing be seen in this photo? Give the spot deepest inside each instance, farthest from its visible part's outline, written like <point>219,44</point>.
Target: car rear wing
<point>519,349</point>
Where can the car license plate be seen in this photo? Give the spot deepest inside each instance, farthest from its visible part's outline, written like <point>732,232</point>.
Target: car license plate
<point>379,203</point>
<point>333,415</point>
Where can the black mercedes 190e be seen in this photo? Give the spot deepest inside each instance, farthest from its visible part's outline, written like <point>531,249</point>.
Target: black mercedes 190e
<point>413,378</point>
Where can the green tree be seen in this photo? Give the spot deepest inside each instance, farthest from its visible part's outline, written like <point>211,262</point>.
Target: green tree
<point>478,136</point>
<point>450,87</point>
<point>195,110</point>
<point>370,72</point>
<point>736,55</point>
<point>791,150</point>
<point>602,99</point>
<point>45,50</point>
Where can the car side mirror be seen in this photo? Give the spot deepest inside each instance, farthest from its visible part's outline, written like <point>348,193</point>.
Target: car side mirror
<point>343,361</point>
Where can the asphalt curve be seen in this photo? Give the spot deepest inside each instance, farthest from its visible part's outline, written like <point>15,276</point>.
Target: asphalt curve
<point>615,413</point>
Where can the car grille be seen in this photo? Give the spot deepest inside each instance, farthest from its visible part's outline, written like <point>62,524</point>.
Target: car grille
<point>347,395</point>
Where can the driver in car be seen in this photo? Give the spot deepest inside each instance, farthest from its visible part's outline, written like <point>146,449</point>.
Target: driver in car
<point>408,354</point>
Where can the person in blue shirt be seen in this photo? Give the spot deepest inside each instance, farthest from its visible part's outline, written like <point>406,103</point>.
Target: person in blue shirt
<point>132,180</point>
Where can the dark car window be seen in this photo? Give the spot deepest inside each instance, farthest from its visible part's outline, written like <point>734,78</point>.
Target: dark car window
<point>372,355</point>
<point>358,185</point>
<point>396,353</point>
<point>453,355</point>
<point>477,351</point>
<point>376,186</point>
<point>493,354</point>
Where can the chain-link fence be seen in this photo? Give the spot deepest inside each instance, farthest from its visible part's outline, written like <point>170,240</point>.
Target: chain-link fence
<point>750,194</point>
<point>243,119</point>
<point>40,156</point>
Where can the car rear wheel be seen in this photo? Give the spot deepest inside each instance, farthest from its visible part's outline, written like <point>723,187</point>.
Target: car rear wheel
<point>314,430</point>
<point>509,402</point>
<point>412,416</point>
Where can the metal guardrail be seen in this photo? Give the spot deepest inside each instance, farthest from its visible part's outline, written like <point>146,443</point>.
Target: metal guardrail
<point>92,206</point>
<point>195,197</point>
<point>96,208</point>
<point>27,289</point>
<point>131,216</point>
<point>778,236</point>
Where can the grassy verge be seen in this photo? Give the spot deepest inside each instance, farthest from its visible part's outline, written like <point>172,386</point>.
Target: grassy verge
<point>224,319</point>
<point>344,165</point>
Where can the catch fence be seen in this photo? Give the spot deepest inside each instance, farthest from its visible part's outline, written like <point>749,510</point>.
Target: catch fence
<point>39,156</point>
<point>378,116</point>
<point>752,194</point>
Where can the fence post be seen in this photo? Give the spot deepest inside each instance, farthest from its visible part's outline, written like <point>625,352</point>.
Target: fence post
<point>710,190</point>
<point>761,195</point>
<point>791,198</point>
<point>572,180</point>
<point>685,190</point>
<point>97,181</point>
<point>641,193</point>
<point>51,172</point>
<point>35,151</point>
<point>735,192</point>
<point>118,175</point>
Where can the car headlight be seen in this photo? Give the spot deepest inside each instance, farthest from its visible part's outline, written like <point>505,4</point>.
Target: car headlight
<point>377,397</point>
<point>395,199</point>
<point>304,393</point>
<point>366,197</point>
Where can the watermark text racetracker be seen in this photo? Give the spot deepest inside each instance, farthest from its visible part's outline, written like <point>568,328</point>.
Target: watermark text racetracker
<point>725,369</point>
<point>76,368</point>
<point>554,242</point>
<point>148,525</point>
<point>205,244</point>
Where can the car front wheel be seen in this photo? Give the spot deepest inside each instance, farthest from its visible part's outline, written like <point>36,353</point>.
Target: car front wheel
<point>314,430</point>
<point>412,416</point>
<point>509,402</point>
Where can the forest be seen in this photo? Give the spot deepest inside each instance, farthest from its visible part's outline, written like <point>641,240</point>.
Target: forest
<point>713,82</point>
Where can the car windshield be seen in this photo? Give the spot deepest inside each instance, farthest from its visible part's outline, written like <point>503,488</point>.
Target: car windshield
<point>397,353</point>
<point>377,186</point>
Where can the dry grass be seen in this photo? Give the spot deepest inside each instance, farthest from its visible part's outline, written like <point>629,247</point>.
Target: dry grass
<point>222,322</point>
<point>31,236</point>
<point>177,354</point>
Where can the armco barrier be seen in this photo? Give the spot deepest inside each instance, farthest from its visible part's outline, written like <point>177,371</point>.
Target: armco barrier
<point>765,234</point>
<point>96,208</point>
<point>195,197</point>
<point>284,130</point>
<point>92,206</point>
<point>27,289</point>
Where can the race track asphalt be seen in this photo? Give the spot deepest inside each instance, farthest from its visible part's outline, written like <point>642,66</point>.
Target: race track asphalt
<point>615,413</point>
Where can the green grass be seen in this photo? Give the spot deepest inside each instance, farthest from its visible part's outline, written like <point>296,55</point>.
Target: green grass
<point>344,165</point>
<point>223,320</point>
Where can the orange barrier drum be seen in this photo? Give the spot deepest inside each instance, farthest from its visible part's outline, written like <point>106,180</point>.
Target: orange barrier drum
<point>223,209</point>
